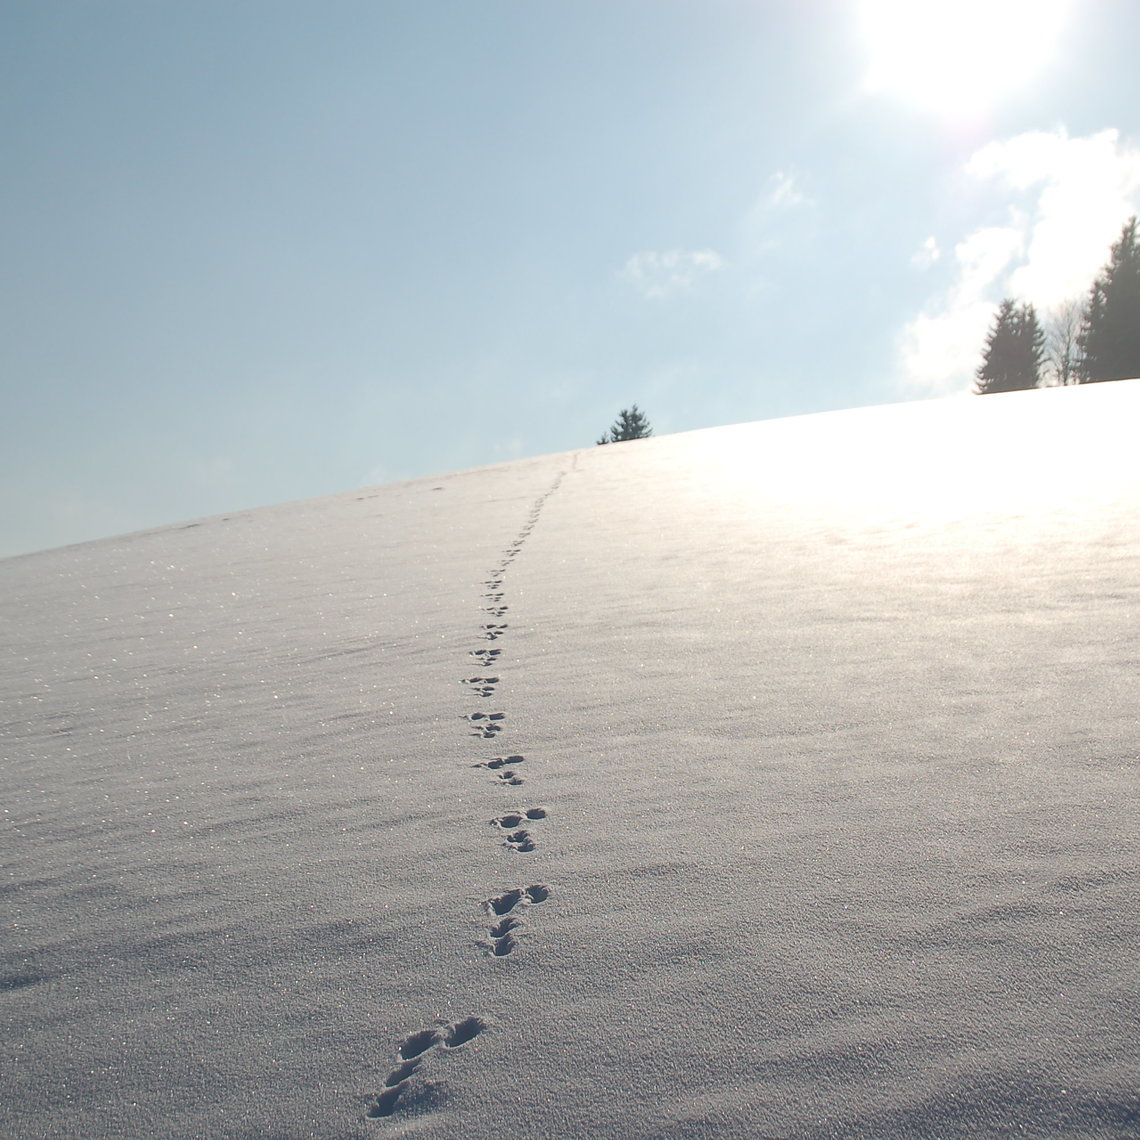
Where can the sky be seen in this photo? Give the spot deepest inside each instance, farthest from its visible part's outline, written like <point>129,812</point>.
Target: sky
<point>270,250</point>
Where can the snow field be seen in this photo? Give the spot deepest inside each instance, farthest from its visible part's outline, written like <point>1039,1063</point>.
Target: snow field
<point>767,781</point>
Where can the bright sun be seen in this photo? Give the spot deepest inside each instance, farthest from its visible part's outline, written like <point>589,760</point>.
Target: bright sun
<point>957,57</point>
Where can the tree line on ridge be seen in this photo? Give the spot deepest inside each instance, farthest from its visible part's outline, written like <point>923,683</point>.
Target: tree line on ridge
<point>1083,342</point>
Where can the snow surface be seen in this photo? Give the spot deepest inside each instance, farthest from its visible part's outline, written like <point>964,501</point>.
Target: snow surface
<point>828,733</point>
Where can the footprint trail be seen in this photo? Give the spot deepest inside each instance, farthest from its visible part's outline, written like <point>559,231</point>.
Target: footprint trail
<point>404,1087</point>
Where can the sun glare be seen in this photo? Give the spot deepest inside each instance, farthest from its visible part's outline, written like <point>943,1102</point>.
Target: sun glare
<point>957,57</point>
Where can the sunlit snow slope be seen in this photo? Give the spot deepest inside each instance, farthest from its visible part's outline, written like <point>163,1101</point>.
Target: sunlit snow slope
<point>769,781</point>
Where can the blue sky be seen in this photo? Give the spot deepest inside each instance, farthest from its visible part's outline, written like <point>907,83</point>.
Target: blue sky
<point>262,250</point>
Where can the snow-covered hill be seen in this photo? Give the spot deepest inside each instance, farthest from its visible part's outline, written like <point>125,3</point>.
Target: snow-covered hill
<point>777,780</point>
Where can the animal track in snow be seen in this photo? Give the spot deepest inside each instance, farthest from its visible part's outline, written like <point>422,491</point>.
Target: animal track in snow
<point>503,767</point>
<point>505,908</point>
<point>506,902</point>
<point>410,1055</point>
<point>485,725</point>
<point>417,1043</point>
<point>485,657</point>
<point>483,686</point>
<point>514,818</point>
<point>496,611</point>
<point>460,1032</point>
<point>492,632</point>
<point>402,1072</point>
<point>519,838</point>
<point>499,762</point>
<point>502,940</point>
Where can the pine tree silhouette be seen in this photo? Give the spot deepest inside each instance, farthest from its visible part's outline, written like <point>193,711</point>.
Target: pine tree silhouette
<point>1110,337</point>
<point>1014,351</point>
<point>630,424</point>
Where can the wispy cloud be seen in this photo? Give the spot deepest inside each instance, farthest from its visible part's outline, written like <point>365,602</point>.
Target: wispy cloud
<point>779,197</point>
<point>1065,199</point>
<point>781,193</point>
<point>659,274</point>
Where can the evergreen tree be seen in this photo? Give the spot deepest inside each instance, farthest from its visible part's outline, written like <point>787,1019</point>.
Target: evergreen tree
<point>1014,351</point>
<point>1110,337</point>
<point>630,424</point>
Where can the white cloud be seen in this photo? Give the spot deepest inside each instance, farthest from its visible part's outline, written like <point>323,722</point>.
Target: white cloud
<point>984,257</point>
<point>940,348</point>
<point>661,273</point>
<point>1085,188</point>
<point>939,352</point>
<point>929,253</point>
<point>1065,200</point>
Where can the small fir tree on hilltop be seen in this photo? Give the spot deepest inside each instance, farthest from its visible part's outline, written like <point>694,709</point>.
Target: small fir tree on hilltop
<point>1014,351</point>
<point>1110,336</point>
<point>630,424</point>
